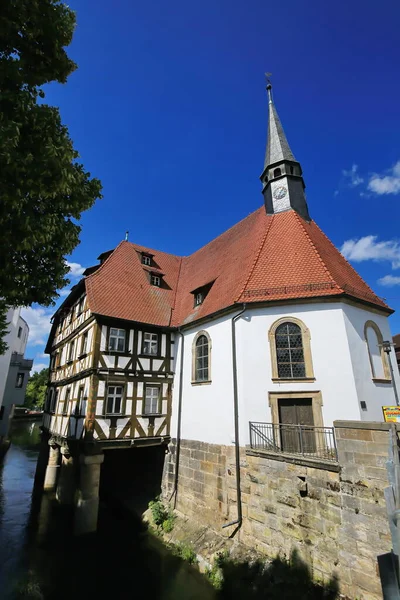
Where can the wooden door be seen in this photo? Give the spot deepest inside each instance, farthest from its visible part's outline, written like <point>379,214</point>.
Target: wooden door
<point>296,411</point>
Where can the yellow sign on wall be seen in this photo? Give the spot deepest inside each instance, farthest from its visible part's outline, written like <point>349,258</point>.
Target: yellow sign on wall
<point>391,414</point>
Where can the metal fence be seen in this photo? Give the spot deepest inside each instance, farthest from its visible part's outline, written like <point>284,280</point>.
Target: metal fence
<point>315,442</point>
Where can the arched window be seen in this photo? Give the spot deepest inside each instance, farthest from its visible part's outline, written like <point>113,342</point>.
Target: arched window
<point>377,357</point>
<point>201,371</point>
<point>277,172</point>
<point>290,350</point>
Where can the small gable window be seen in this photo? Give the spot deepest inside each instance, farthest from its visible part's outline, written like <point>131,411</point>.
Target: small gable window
<point>201,358</point>
<point>198,298</point>
<point>200,293</point>
<point>146,260</point>
<point>117,340</point>
<point>80,305</point>
<point>155,280</point>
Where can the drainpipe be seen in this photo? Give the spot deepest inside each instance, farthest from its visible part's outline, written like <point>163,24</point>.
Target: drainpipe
<point>239,519</point>
<point>178,433</point>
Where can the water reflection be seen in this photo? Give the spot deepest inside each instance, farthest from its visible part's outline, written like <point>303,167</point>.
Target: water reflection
<point>39,555</point>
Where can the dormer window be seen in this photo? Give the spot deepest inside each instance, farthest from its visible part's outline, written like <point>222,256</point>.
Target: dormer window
<point>146,260</point>
<point>155,280</point>
<point>200,293</point>
<point>198,298</point>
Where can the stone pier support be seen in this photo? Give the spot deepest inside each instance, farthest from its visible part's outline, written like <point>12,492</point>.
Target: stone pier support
<point>53,467</point>
<point>87,497</point>
<point>67,480</point>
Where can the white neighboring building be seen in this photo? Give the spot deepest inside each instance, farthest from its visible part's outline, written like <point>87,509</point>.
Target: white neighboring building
<point>14,370</point>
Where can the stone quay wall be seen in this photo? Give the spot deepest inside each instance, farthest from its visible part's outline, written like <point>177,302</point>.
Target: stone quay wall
<point>334,515</point>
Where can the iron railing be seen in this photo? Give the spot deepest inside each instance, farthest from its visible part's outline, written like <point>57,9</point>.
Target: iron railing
<point>314,442</point>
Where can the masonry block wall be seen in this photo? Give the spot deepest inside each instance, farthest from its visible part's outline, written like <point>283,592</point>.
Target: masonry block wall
<point>333,515</point>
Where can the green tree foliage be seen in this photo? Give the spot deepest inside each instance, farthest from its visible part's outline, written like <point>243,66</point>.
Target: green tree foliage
<point>36,389</point>
<point>43,188</point>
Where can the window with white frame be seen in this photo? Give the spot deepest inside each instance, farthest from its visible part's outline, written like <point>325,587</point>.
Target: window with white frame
<point>155,280</point>
<point>146,260</point>
<point>66,401</point>
<point>80,305</point>
<point>53,401</point>
<point>152,400</point>
<point>116,342</point>
<point>198,299</point>
<point>71,351</point>
<point>150,343</point>
<point>114,399</point>
<point>84,342</point>
<point>20,380</point>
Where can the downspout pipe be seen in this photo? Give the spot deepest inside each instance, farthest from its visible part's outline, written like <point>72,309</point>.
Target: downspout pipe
<point>239,519</point>
<point>179,428</point>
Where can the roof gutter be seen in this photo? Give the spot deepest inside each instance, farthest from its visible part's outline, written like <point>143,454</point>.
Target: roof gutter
<point>179,428</point>
<point>239,519</point>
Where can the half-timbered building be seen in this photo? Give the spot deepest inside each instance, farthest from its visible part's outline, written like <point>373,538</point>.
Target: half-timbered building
<point>261,338</point>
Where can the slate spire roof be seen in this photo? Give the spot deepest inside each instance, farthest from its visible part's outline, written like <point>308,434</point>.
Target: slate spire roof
<point>278,148</point>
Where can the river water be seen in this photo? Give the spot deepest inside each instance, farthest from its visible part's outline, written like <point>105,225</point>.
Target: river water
<point>41,560</point>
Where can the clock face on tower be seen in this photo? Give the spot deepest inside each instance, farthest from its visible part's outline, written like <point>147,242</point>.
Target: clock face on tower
<point>279,192</point>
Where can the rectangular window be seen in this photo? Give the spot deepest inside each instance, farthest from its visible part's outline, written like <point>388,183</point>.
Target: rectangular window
<point>198,299</point>
<point>152,400</point>
<point>146,260</point>
<point>150,343</point>
<point>155,280</point>
<point>114,399</point>
<point>66,401</point>
<point>79,402</point>
<point>71,351</point>
<point>20,380</point>
<point>53,401</point>
<point>57,359</point>
<point>84,342</point>
<point>80,305</point>
<point>19,331</point>
<point>117,340</point>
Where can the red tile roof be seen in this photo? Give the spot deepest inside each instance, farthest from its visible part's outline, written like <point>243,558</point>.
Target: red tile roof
<point>261,258</point>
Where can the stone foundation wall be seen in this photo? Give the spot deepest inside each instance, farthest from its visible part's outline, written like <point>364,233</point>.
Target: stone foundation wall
<point>333,515</point>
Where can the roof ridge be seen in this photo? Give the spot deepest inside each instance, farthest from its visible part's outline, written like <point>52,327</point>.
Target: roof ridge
<point>224,232</point>
<point>176,290</point>
<point>256,258</point>
<point>106,261</point>
<point>317,253</point>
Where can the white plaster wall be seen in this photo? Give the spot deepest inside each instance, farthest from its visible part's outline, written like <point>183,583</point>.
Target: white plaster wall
<point>207,410</point>
<point>15,344</point>
<point>374,394</point>
<point>330,356</point>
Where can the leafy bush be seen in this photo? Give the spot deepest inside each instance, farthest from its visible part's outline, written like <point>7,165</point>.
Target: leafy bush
<point>162,516</point>
<point>186,553</point>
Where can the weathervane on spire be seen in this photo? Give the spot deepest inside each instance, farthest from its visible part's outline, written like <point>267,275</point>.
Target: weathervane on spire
<point>269,85</point>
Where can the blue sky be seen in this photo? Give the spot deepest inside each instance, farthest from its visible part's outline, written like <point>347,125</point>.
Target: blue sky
<point>168,109</point>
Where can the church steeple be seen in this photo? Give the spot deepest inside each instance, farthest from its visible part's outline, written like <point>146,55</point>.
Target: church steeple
<point>283,185</point>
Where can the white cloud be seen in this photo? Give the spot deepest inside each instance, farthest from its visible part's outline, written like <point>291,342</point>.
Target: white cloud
<point>368,248</point>
<point>38,320</point>
<point>64,293</point>
<point>389,281</point>
<point>386,184</point>
<point>38,367</point>
<point>354,178</point>
<point>75,269</point>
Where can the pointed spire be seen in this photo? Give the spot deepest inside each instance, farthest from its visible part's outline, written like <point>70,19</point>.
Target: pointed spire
<point>278,148</point>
